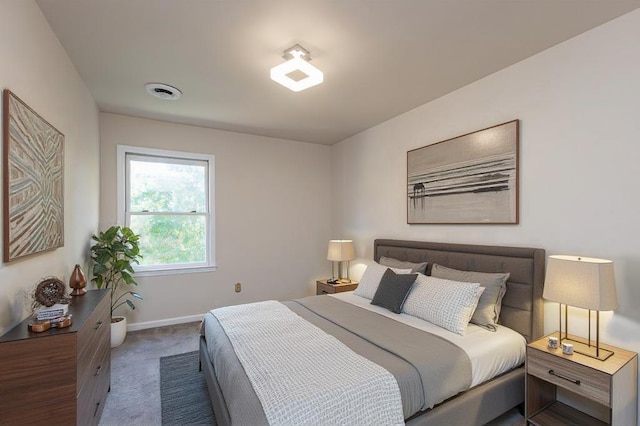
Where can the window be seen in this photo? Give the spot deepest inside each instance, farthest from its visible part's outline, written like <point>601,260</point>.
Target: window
<point>167,198</point>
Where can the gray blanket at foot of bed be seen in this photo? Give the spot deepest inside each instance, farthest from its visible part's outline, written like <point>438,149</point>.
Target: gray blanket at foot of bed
<point>428,369</point>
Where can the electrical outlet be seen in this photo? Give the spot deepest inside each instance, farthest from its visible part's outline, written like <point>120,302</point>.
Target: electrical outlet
<point>238,287</point>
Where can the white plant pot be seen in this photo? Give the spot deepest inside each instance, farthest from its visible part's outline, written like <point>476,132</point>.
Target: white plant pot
<point>118,331</point>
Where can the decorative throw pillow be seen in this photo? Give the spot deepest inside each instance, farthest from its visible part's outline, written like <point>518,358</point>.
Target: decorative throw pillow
<point>488,310</point>
<point>393,290</point>
<point>371,279</point>
<point>395,263</point>
<point>447,304</point>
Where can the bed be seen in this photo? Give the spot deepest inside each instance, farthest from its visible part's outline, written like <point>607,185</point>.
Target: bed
<point>521,311</point>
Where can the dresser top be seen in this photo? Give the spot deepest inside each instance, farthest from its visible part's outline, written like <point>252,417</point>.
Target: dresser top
<point>80,308</point>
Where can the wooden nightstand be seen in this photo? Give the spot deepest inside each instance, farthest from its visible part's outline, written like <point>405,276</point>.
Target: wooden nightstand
<point>608,389</point>
<point>322,287</point>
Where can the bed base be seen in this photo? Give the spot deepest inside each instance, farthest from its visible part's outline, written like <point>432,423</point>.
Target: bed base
<point>477,406</point>
<point>215,393</point>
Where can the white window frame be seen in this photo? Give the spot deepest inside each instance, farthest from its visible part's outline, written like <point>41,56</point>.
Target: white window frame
<point>123,214</point>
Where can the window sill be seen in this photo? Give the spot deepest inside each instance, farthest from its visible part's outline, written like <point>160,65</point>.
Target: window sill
<point>177,271</point>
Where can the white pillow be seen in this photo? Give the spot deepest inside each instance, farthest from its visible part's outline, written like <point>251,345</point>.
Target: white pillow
<point>371,279</point>
<point>445,303</point>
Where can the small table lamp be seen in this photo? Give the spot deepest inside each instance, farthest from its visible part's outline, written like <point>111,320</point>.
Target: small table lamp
<point>586,283</point>
<point>341,251</point>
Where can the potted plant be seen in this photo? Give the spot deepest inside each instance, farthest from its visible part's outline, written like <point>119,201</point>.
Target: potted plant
<point>113,253</point>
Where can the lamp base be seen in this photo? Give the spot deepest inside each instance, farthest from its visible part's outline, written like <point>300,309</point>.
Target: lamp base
<point>345,281</point>
<point>588,348</point>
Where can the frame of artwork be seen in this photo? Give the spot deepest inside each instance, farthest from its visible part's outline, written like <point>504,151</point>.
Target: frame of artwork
<point>33,181</point>
<point>469,179</point>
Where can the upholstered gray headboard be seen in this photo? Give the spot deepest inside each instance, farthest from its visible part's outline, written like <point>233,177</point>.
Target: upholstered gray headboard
<point>522,307</point>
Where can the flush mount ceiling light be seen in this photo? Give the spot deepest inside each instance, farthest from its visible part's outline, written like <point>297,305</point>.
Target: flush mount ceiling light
<point>163,91</point>
<point>297,65</point>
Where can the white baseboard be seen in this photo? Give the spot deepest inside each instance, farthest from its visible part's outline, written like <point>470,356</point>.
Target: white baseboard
<point>163,322</point>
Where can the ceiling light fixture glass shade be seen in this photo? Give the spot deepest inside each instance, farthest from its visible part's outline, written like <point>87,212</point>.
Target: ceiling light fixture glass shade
<point>298,61</point>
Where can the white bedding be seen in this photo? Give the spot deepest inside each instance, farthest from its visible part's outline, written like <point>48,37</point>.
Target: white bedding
<point>491,353</point>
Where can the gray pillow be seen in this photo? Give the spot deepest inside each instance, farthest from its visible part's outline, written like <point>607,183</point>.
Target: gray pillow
<point>371,277</point>
<point>393,290</point>
<point>488,310</point>
<point>395,263</point>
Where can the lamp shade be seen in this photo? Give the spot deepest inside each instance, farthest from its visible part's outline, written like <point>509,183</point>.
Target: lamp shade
<point>582,282</point>
<point>341,250</point>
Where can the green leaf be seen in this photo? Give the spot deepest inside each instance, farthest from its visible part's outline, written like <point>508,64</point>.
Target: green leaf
<point>127,278</point>
<point>121,265</point>
<point>118,247</point>
<point>136,295</point>
<point>111,233</point>
<point>103,257</point>
<point>99,269</point>
<point>131,305</point>
<point>98,281</point>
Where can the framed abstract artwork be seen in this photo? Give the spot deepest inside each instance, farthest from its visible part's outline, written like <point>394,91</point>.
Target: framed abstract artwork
<point>470,179</point>
<point>33,181</point>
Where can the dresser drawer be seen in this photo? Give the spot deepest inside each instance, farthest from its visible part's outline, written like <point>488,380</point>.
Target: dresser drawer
<point>37,381</point>
<point>93,333</point>
<point>98,364</point>
<point>577,378</point>
<point>93,391</point>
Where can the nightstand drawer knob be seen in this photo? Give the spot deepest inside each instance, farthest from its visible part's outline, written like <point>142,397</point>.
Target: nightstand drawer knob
<point>569,379</point>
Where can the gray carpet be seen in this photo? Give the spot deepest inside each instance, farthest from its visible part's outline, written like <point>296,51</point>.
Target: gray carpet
<point>134,399</point>
<point>184,397</point>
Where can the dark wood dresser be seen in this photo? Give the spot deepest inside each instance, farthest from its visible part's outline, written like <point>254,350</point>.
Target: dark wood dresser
<point>60,376</point>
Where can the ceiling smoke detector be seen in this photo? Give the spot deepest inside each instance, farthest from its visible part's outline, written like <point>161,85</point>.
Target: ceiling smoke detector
<point>163,91</point>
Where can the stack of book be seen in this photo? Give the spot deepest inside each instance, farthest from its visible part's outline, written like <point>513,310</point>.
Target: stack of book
<point>58,310</point>
<point>56,316</point>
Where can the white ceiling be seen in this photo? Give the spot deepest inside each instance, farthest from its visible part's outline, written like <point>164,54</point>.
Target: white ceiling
<point>380,58</point>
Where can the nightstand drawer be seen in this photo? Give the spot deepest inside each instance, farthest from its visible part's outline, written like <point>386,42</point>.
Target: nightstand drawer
<point>323,287</point>
<point>570,375</point>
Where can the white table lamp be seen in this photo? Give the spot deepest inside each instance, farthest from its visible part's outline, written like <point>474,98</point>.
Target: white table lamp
<point>341,251</point>
<point>586,283</point>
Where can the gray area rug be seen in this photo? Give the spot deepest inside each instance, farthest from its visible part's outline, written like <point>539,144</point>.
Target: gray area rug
<point>184,396</point>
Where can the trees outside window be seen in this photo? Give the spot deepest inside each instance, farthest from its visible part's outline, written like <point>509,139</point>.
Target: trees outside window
<point>168,202</point>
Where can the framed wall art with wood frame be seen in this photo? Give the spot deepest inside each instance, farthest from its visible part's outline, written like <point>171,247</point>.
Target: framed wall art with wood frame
<point>469,179</point>
<point>33,181</point>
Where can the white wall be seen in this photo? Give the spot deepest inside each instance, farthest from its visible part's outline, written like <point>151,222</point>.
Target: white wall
<point>579,161</point>
<point>272,216</point>
<point>37,69</point>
